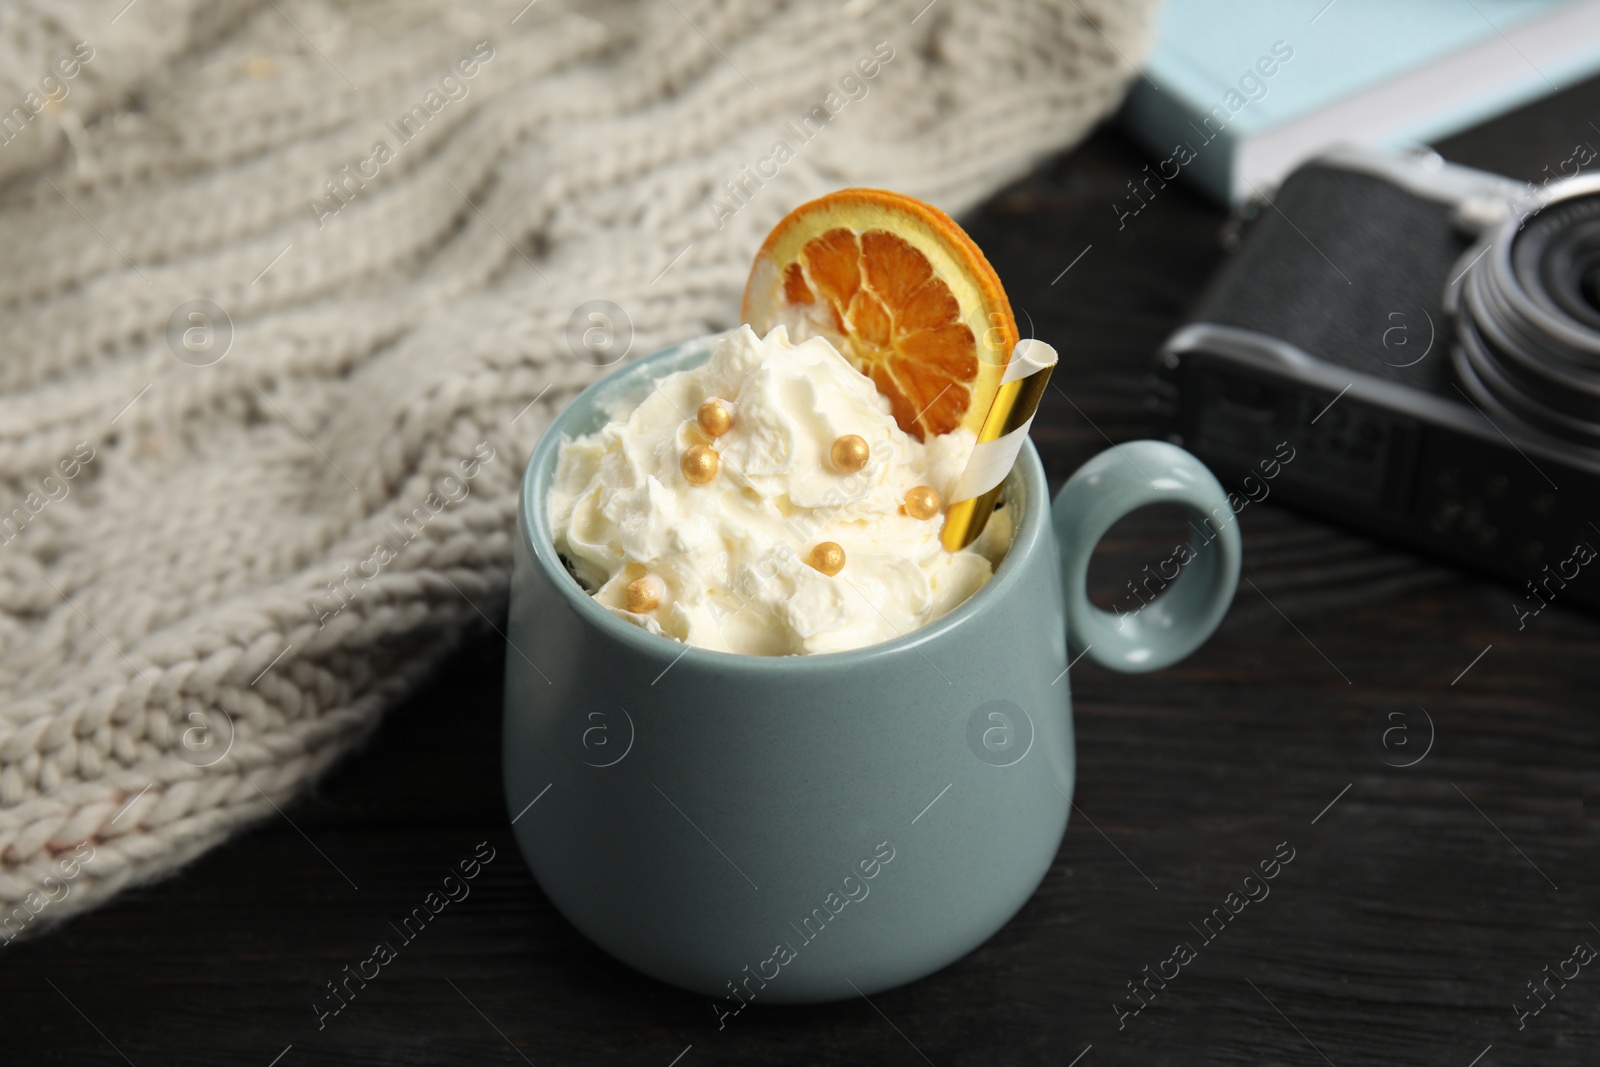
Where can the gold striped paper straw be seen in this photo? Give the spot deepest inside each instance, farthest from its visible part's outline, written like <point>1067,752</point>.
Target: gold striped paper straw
<point>999,442</point>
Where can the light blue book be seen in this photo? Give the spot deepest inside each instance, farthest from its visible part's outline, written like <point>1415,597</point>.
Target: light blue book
<point>1237,93</point>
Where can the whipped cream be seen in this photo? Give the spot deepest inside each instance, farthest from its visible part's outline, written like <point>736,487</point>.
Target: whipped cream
<point>729,556</point>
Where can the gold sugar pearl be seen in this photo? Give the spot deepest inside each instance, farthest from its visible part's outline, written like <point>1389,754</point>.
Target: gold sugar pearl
<point>714,417</point>
<point>642,595</point>
<point>699,464</point>
<point>849,453</point>
<point>923,502</point>
<point>828,557</point>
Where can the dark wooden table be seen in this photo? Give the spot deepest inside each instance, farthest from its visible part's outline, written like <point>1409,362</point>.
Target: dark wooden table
<point>1420,902</point>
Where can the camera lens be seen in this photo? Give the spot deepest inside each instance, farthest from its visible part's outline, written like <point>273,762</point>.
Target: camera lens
<point>1527,316</point>
<point>1563,251</point>
<point>1590,285</point>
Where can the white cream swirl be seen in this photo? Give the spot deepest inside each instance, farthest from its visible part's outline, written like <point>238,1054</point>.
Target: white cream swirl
<point>730,555</point>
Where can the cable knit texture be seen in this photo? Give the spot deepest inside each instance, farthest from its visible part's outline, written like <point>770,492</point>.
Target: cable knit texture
<point>232,538</point>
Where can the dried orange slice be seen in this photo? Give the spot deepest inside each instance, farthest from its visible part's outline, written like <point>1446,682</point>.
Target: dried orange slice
<point>901,291</point>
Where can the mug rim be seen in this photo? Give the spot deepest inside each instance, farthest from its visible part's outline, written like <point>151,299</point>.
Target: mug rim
<point>1026,538</point>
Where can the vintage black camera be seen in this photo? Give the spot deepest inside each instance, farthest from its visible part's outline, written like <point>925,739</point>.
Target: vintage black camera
<point>1427,338</point>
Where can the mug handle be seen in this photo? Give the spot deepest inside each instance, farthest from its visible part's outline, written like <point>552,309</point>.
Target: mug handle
<point>1165,630</point>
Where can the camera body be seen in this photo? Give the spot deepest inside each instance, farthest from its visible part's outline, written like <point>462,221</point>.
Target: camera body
<point>1368,320</point>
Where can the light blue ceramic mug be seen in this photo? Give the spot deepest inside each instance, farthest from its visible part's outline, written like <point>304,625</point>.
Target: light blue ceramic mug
<point>806,828</point>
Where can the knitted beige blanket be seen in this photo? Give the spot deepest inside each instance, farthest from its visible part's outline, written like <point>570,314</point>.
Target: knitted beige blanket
<point>290,289</point>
